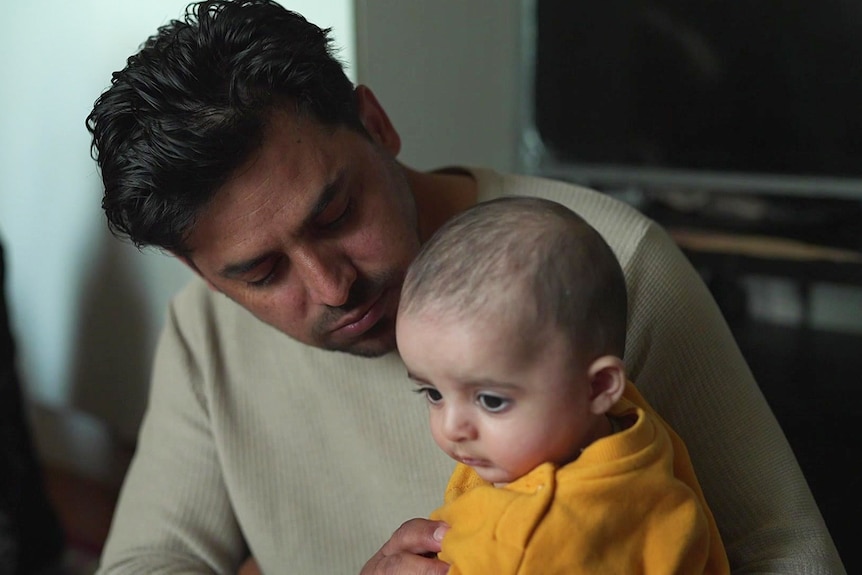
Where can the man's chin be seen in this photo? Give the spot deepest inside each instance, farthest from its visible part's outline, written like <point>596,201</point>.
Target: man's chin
<point>376,342</point>
<point>367,352</point>
<point>365,349</point>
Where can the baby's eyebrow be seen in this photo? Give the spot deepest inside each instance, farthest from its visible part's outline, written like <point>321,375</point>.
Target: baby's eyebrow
<point>491,383</point>
<point>414,377</point>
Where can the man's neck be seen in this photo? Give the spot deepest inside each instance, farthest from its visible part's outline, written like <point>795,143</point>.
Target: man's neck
<point>440,196</point>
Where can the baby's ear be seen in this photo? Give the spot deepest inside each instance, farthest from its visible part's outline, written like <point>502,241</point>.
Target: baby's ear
<point>607,382</point>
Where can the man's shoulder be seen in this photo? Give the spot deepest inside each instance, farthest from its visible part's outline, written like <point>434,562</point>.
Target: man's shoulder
<point>622,226</point>
<point>588,203</point>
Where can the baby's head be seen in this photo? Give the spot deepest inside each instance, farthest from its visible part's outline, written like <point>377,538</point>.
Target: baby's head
<point>512,322</point>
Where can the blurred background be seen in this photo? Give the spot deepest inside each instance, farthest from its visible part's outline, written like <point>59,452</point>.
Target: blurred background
<point>546,87</point>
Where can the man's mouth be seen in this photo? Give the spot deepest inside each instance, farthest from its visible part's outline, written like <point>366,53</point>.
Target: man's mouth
<point>362,319</point>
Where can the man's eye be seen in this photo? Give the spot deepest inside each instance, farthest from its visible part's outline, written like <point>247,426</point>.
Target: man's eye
<point>431,394</point>
<point>336,214</point>
<point>266,280</point>
<point>493,403</point>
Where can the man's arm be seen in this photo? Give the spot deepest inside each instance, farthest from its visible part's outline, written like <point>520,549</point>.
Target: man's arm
<point>174,515</point>
<point>682,355</point>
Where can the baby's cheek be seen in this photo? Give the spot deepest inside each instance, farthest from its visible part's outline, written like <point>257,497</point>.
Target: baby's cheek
<point>435,432</point>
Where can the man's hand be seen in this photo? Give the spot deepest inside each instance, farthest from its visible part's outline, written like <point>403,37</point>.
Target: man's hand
<point>410,551</point>
<point>250,567</point>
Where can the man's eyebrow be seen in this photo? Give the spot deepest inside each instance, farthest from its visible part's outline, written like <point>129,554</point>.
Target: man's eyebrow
<point>235,270</point>
<point>324,199</point>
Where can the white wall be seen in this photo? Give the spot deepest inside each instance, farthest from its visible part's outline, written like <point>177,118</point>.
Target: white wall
<point>86,308</point>
<point>447,73</point>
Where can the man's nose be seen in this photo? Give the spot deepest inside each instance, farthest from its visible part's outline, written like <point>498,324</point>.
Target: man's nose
<point>458,424</point>
<point>326,274</point>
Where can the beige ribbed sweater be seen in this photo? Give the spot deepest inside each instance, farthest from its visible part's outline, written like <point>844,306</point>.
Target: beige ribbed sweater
<point>310,459</point>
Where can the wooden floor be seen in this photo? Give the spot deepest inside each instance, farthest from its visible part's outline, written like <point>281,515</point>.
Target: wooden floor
<point>85,508</point>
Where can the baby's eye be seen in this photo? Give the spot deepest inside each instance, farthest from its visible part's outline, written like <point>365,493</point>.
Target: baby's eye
<point>431,394</point>
<point>493,403</point>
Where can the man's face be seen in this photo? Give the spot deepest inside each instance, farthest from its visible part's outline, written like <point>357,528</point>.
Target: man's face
<point>313,235</point>
<point>496,404</point>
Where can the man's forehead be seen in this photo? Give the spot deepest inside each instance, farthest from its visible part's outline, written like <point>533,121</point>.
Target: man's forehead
<point>284,184</point>
<point>294,159</point>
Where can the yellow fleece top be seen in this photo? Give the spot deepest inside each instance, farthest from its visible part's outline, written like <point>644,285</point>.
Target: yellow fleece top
<point>630,504</point>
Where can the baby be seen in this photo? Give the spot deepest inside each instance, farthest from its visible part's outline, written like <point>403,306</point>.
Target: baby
<point>512,324</point>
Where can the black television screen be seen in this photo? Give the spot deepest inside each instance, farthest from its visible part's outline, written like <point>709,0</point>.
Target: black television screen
<point>763,96</point>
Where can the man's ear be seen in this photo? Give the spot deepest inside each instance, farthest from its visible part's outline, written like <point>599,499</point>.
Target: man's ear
<point>191,265</point>
<point>607,382</point>
<point>376,122</point>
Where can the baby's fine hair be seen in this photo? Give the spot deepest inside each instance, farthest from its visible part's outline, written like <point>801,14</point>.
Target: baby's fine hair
<point>527,259</point>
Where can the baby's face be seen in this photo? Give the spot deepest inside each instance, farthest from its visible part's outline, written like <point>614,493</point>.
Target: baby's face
<point>498,405</point>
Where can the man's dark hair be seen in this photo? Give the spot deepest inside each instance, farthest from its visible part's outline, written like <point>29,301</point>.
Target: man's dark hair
<point>192,106</point>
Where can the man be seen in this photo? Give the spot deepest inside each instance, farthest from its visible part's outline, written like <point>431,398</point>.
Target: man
<point>234,141</point>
